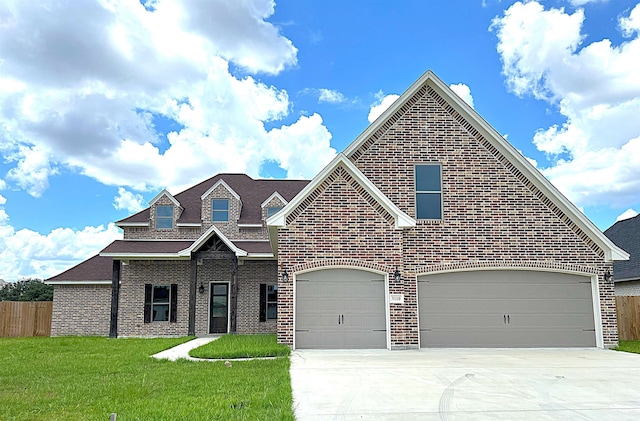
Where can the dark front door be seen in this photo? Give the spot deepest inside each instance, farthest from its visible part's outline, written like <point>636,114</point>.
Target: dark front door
<point>219,308</point>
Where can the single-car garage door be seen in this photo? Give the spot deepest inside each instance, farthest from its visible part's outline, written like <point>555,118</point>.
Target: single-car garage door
<point>341,309</point>
<point>505,308</point>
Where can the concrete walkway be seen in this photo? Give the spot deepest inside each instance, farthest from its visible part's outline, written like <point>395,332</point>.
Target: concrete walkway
<point>182,351</point>
<point>466,384</point>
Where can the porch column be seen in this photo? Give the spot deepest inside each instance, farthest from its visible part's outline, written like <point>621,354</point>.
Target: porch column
<point>115,295</point>
<point>234,293</point>
<point>192,296</point>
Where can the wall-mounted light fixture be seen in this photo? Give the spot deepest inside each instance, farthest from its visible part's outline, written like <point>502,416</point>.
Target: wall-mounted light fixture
<point>201,288</point>
<point>608,277</point>
<point>285,277</point>
<point>396,275</point>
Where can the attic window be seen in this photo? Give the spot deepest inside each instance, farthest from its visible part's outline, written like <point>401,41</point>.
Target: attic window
<point>220,210</point>
<point>164,217</point>
<point>428,191</point>
<point>273,210</point>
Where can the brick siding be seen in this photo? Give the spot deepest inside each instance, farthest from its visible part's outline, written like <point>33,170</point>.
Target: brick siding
<point>491,214</point>
<point>81,310</point>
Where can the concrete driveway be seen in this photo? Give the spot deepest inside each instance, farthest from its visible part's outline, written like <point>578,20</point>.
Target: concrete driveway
<point>469,384</point>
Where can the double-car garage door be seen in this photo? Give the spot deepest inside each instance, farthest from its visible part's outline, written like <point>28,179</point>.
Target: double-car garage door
<point>506,308</point>
<point>346,308</point>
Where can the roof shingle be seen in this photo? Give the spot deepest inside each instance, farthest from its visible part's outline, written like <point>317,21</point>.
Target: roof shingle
<point>626,235</point>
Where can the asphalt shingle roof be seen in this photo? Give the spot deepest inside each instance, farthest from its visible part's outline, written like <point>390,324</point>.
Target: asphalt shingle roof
<point>97,268</point>
<point>626,235</point>
<point>252,193</point>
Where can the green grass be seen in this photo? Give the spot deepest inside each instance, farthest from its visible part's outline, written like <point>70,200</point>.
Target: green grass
<point>629,346</point>
<point>89,378</point>
<point>242,346</point>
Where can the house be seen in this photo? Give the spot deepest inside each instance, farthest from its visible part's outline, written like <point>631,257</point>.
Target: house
<point>429,230</point>
<point>195,263</point>
<point>626,234</point>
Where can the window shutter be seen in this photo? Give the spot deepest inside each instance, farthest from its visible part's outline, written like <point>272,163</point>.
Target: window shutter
<point>147,303</point>
<point>173,313</point>
<point>263,302</point>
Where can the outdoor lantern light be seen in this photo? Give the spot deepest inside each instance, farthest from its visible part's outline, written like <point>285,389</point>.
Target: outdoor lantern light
<point>201,288</point>
<point>608,277</point>
<point>285,277</point>
<point>396,275</point>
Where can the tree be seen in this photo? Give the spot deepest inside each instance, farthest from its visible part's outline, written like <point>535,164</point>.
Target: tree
<point>26,290</point>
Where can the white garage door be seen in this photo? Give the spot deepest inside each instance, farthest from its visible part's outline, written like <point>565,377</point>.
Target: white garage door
<point>506,308</point>
<point>341,309</point>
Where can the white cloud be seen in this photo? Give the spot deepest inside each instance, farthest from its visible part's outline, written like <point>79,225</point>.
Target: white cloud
<point>126,200</point>
<point>464,92</point>
<point>330,96</point>
<point>595,153</point>
<point>583,2</point>
<point>380,106</point>
<point>89,102</point>
<point>297,158</point>
<point>25,253</point>
<point>629,213</point>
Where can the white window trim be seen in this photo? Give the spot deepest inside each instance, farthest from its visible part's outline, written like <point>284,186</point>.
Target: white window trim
<point>416,192</point>
<point>213,211</point>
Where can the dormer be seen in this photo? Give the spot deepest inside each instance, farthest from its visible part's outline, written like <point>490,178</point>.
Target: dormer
<point>272,205</point>
<point>165,211</point>
<point>221,205</point>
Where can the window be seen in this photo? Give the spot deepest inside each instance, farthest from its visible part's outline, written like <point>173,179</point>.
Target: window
<point>428,191</point>
<point>164,217</point>
<point>268,302</point>
<point>220,210</point>
<point>273,210</point>
<point>160,303</point>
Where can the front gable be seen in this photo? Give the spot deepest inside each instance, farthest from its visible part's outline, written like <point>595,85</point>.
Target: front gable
<point>481,171</point>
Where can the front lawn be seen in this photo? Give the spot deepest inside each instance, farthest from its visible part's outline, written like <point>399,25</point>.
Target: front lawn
<point>242,346</point>
<point>629,346</point>
<point>89,378</point>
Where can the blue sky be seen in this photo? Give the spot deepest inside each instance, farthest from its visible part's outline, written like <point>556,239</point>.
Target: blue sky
<point>103,104</point>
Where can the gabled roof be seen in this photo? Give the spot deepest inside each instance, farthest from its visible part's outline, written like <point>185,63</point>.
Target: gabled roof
<point>164,192</point>
<point>215,186</point>
<point>611,251</point>
<point>626,234</point>
<point>274,196</point>
<point>251,192</point>
<point>402,220</point>
<point>93,271</point>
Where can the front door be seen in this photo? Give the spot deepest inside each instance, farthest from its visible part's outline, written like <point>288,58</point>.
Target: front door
<point>218,307</point>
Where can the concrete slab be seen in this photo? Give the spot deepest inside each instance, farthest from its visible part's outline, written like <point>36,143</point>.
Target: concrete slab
<point>466,384</point>
<point>182,350</point>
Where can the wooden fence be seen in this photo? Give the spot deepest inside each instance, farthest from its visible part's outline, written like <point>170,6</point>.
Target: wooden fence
<point>628,312</point>
<point>25,318</point>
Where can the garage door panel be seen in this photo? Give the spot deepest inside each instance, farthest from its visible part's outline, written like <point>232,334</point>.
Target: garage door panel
<point>563,306</point>
<point>363,339</point>
<point>551,338</point>
<point>458,338</point>
<point>551,321</point>
<point>340,308</point>
<point>461,305</point>
<point>470,321</point>
<point>505,308</point>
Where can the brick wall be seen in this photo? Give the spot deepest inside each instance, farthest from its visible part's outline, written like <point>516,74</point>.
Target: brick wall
<point>81,310</point>
<point>131,306</point>
<point>491,214</point>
